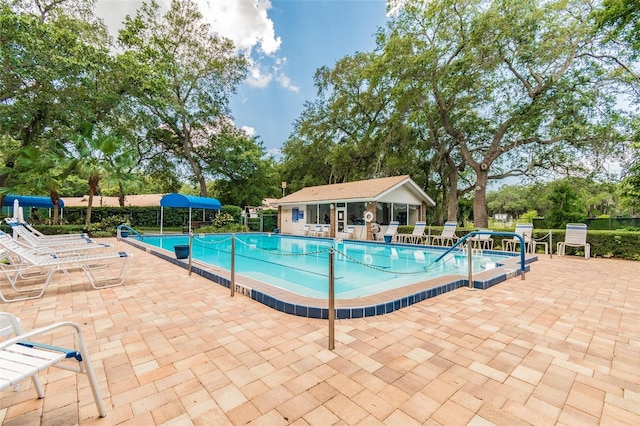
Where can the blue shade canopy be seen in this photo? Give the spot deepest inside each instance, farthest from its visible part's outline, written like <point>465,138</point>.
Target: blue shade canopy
<point>30,201</point>
<point>180,200</point>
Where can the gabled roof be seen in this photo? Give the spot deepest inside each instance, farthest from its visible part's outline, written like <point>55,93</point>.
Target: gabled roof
<point>362,190</point>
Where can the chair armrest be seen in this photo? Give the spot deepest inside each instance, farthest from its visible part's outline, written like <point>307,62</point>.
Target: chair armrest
<point>40,331</point>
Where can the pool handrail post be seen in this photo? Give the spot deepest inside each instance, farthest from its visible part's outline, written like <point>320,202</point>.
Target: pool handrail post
<point>232,284</point>
<point>332,313</point>
<point>470,265</point>
<point>190,250</point>
<point>550,244</point>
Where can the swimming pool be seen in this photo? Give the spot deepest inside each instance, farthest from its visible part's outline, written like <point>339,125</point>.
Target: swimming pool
<point>301,264</point>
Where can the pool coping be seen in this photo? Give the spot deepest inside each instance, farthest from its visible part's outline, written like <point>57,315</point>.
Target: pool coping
<point>377,304</point>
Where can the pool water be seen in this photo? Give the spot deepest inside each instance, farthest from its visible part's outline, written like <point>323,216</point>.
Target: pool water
<point>301,264</point>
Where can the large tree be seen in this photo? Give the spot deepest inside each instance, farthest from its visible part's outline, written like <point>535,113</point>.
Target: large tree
<point>515,84</point>
<point>184,75</point>
<point>56,77</point>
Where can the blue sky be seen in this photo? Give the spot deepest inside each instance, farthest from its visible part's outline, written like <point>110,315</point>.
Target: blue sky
<point>285,41</point>
<point>313,33</point>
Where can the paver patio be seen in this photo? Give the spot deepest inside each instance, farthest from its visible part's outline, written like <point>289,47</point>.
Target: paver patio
<point>561,347</point>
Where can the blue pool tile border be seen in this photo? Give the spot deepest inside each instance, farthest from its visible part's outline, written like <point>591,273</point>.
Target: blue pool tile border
<point>342,313</point>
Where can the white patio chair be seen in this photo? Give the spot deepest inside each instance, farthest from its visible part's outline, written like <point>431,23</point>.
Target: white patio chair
<point>305,230</point>
<point>28,238</point>
<point>448,235</point>
<point>482,241</point>
<point>417,236</point>
<point>524,229</point>
<point>391,233</point>
<point>316,232</point>
<point>35,266</point>
<point>347,233</point>
<point>12,222</point>
<point>21,358</point>
<point>575,236</point>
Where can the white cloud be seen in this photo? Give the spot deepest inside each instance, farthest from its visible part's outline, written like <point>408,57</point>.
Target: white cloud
<point>249,131</point>
<point>247,24</point>
<point>282,78</point>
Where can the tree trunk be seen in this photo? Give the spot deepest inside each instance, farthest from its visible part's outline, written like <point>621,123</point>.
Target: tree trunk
<point>121,195</point>
<point>93,186</point>
<point>55,200</point>
<point>480,219</point>
<point>452,205</point>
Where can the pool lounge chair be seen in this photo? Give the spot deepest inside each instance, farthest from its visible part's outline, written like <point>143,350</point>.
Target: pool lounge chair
<point>68,244</point>
<point>575,236</point>
<point>448,235</point>
<point>21,357</point>
<point>316,232</point>
<point>347,233</point>
<point>524,229</point>
<point>482,241</point>
<point>34,266</point>
<point>417,236</point>
<point>12,222</point>
<point>391,234</point>
<point>326,231</point>
<point>305,230</point>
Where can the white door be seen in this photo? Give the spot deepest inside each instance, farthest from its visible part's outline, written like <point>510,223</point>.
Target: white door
<point>341,219</point>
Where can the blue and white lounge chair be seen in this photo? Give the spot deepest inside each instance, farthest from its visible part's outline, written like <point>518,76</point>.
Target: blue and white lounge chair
<point>575,236</point>
<point>35,265</point>
<point>347,233</point>
<point>448,235</point>
<point>68,244</point>
<point>417,236</point>
<point>524,229</point>
<point>22,357</point>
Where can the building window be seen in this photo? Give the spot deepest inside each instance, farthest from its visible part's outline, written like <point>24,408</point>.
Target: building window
<point>324,214</point>
<point>355,213</point>
<point>312,213</point>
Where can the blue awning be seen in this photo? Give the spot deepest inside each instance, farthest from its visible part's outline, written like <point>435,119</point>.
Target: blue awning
<point>180,200</point>
<point>30,201</point>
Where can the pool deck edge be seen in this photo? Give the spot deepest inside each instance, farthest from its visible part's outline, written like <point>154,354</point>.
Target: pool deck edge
<point>377,304</point>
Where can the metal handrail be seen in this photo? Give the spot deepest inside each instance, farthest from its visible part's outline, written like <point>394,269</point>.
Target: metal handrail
<point>474,233</point>
<point>128,228</point>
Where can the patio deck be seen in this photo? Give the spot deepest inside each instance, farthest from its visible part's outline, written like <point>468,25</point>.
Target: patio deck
<point>168,348</point>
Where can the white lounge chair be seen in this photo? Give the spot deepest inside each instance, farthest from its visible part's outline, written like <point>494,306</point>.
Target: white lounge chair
<point>67,244</point>
<point>347,233</point>
<point>391,234</point>
<point>524,229</point>
<point>12,222</point>
<point>35,266</point>
<point>417,236</point>
<point>316,232</point>
<point>575,236</point>
<point>326,231</point>
<point>305,230</point>
<point>448,235</point>
<point>21,358</point>
<point>482,241</point>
